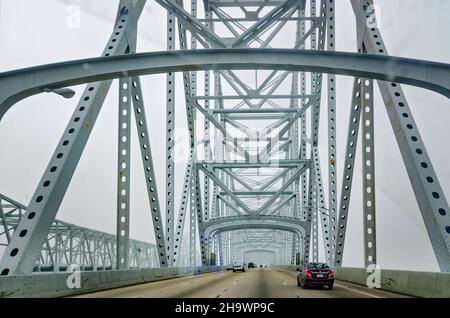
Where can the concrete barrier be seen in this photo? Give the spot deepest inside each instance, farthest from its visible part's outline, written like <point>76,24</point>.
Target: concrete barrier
<point>419,284</point>
<point>45,285</point>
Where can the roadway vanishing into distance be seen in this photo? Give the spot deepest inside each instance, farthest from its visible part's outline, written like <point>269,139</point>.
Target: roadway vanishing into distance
<point>254,283</point>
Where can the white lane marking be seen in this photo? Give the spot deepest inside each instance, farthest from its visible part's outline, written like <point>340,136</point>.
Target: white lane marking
<point>284,283</point>
<point>234,283</point>
<point>357,291</point>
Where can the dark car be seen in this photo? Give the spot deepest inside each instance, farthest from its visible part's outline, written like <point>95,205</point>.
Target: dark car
<point>261,266</point>
<point>251,265</point>
<point>316,274</point>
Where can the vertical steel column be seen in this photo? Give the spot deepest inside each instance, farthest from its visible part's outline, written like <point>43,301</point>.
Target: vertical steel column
<point>123,174</point>
<point>5,223</point>
<point>233,246</point>
<point>196,215</point>
<point>56,254</point>
<point>332,174</point>
<point>149,171</point>
<point>196,205</point>
<point>316,85</point>
<point>368,163</point>
<point>170,144</point>
<point>352,141</point>
<point>308,211</point>
<point>320,203</point>
<point>315,112</point>
<point>178,238</point>
<point>217,144</point>
<point>303,136</point>
<point>206,125</point>
<point>314,218</point>
<point>193,220</point>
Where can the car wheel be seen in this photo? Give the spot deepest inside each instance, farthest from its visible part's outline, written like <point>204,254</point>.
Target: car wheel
<point>298,282</point>
<point>234,271</point>
<point>305,286</point>
<point>330,286</point>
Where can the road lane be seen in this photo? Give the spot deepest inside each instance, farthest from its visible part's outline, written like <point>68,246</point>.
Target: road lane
<point>254,283</point>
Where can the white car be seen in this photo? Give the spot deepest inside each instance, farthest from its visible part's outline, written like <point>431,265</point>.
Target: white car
<point>238,268</point>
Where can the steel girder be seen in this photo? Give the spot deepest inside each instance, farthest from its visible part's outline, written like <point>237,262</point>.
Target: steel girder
<point>383,68</point>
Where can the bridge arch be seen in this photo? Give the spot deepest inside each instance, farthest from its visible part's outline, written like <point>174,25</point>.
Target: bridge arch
<point>289,224</point>
<point>14,86</point>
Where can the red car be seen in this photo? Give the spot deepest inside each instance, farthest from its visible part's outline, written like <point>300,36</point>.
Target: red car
<point>316,274</point>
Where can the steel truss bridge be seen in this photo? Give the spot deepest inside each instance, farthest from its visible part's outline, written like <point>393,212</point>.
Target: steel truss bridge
<point>253,181</point>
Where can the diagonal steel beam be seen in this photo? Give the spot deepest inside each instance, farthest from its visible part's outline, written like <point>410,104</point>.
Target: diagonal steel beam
<point>235,177</point>
<point>265,23</point>
<point>191,23</point>
<point>229,204</point>
<point>267,205</point>
<point>219,183</point>
<point>266,150</point>
<point>274,179</point>
<point>280,205</point>
<point>218,125</point>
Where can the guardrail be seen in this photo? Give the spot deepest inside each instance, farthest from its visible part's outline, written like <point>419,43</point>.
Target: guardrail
<point>45,285</point>
<point>419,284</point>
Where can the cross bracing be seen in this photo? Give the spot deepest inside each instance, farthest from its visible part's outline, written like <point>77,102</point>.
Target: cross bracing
<point>254,180</point>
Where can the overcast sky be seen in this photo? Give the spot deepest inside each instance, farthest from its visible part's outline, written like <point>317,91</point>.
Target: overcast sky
<point>36,32</point>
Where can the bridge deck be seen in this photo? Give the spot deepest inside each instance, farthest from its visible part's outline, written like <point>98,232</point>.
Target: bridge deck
<point>254,283</point>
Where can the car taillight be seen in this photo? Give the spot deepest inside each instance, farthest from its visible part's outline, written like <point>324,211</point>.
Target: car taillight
<point>331,275</point>
<point>308,274</point>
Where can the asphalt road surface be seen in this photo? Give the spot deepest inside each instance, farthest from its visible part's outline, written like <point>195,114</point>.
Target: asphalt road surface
<point>254,283</point>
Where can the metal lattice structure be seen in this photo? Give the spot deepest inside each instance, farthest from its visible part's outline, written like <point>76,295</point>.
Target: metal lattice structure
<point>67,244</point>
<point>257,76</point>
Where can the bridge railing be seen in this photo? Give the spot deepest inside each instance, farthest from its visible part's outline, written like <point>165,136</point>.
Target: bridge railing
<point>46,285</point>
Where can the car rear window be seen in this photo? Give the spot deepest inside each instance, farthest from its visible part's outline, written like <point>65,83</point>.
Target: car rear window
<point>318,266</point>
